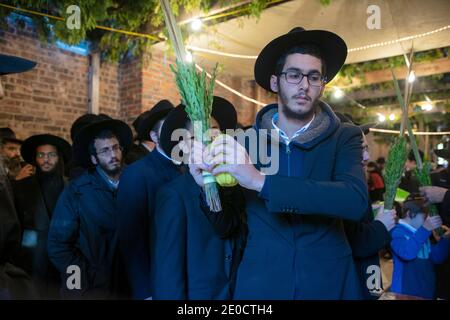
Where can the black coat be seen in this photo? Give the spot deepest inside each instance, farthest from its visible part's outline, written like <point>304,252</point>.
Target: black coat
<point>136,152</point>
<point>135,206</point>
<point>83,233</point>
<point>9,226</point>
<point>442,179</point>
<point>366,239</point>
<point>14,282</point>
<point>190,261</point>
<point>35,213</point>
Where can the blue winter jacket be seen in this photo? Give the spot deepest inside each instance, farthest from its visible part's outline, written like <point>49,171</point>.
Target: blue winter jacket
<point>414,260</point>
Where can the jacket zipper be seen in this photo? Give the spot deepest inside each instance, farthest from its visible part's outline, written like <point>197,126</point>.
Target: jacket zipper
<point>288,152</point>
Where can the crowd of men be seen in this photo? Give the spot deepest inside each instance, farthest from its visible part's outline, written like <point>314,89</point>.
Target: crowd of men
<point>115,217</point>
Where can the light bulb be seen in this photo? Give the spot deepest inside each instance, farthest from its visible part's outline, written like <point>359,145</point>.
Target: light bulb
<point>338,93</point>
<point>196,24</point>
<point>411,77</point>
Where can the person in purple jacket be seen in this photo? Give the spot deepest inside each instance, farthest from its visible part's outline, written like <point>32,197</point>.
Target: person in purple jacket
<point>414,253</point>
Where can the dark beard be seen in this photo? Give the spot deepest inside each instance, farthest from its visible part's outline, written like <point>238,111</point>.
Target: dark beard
<point>112,172</point>
<point>13,165</point>
<point>50,173</point>
<point>289,114</point>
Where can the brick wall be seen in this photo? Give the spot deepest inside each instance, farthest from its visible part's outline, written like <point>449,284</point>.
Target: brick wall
<point>50,97</point>
<point>130,90</point>
<point>158,80</point>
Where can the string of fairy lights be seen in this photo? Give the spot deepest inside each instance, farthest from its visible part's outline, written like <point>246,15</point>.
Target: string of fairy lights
<point>196,25</point>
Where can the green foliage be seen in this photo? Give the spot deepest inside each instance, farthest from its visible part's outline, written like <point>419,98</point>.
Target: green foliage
<point>197,94</point>
<point>256,7</point>
<point>141,16</point>
<point>357,70</point>
<point>423,175</point>
<point>394,169</point>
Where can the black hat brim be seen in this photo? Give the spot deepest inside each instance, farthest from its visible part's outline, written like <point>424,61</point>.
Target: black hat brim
<point>29,146</point>
<point>147,120</point>
<point>82,140</point>
<point>222,110</point>
<point>12,64</point>
<point>442,153</point>
<point>11,140</point>
<point>80,122</point>
<point>332,47</point>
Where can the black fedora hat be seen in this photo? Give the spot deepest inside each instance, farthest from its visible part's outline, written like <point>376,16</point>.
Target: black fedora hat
<point>8,135</point>
<point>365,128</point>
<point>87,133</point>
<point>443,153</point>
<point>80,122</point>
<point>146,121</point>
<point>332,48</point>
<point>222,110</point>
<point>12,64</point>
<point>28,149</point>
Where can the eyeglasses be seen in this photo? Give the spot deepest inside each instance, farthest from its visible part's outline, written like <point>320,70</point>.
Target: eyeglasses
<point>315,79</point>
<point>50,155</point>
<point>115,149</point>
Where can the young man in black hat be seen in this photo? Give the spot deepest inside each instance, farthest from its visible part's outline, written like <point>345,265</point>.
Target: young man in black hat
<point>14,282</point>
<point>83,230</point>
<point>297,247</point>
<point>144,126</point>
<point>136,202</point>
<point>36,198</point>
<point>192,260</point>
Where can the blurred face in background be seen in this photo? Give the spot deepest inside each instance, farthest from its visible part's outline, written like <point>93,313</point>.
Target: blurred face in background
<point>11,150</point>
<point>11,157</point>
<point>410,165</point>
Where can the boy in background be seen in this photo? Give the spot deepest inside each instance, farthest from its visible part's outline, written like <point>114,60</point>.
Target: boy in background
<point>414,254</point>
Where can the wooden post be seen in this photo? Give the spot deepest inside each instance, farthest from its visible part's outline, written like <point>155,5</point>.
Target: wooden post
<point>421,127</point>
<point>427,144</point>
<point>94,82</point>
<point>2,92</point>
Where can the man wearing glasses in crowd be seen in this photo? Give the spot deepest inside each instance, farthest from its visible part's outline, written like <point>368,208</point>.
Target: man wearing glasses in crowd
<point>35,199</point>
<point>83,236</point>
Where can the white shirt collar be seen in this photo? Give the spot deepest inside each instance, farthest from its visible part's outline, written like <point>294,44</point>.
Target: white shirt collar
<point>165,156</point>
<point>407,225</point>
<point>283,135</point>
